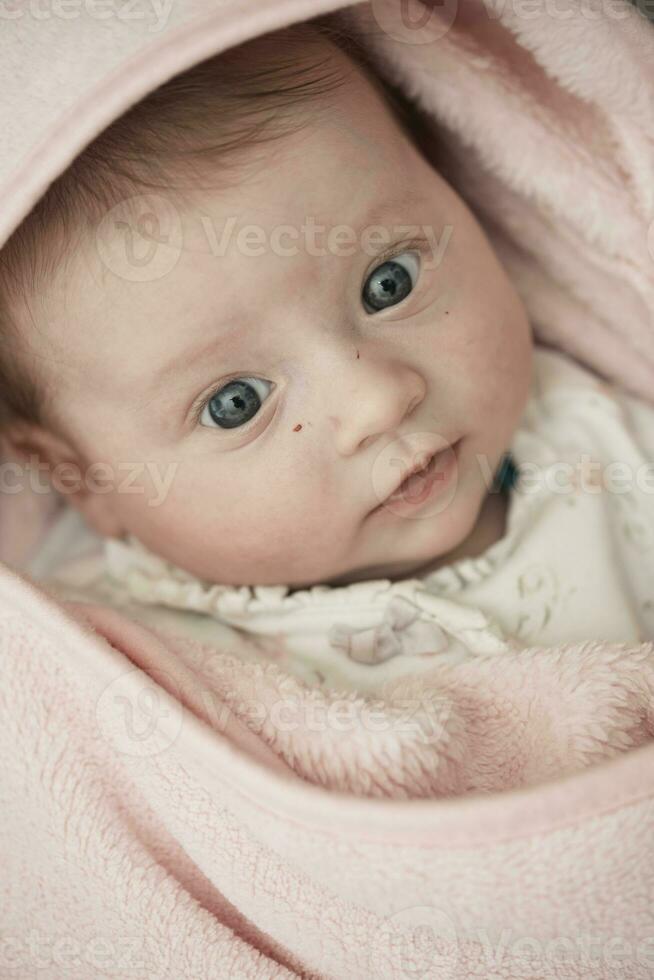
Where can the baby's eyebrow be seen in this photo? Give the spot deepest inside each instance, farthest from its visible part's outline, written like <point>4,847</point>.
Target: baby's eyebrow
<point>391,207</point>
<point>183,361</point>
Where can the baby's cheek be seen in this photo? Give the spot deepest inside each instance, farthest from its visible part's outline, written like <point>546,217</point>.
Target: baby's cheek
<point>237,523</point>
<point>285,530</point>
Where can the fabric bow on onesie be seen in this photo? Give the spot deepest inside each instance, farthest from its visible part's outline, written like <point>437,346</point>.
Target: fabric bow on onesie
<point>401,631</point>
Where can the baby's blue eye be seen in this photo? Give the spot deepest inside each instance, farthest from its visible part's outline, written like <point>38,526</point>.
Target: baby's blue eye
<point>390,283</point>
<point>234,404</point>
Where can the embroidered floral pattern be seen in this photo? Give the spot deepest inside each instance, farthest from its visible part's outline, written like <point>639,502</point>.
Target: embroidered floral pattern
<point>539,591</point>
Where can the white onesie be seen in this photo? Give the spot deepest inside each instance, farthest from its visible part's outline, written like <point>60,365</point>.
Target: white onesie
<point>576,561</point>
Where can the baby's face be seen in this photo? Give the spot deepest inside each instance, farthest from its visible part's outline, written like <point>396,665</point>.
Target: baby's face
<point>280,396</point>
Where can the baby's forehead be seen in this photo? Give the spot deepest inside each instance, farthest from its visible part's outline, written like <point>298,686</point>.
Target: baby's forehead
<point>345,177</point>
<point>166,253</point>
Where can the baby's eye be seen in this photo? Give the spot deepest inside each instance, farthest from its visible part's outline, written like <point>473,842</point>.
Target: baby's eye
<point>234,404</point>
<point>390,282</point>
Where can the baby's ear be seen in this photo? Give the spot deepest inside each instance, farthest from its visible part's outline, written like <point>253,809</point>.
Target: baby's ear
<point>34,445</point>
<point>52,459</point>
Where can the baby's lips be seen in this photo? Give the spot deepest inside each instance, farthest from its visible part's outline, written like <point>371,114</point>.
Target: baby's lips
<point>399,474</point>
<point>420,474</point>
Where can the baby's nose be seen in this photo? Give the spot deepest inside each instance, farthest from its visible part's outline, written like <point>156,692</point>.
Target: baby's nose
<point>373,399</point>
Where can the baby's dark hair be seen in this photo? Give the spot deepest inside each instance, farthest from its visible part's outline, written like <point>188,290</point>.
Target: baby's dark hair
<point>218,112</point>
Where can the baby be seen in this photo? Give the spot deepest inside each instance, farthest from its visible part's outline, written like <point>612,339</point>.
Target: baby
<point>257,284</point>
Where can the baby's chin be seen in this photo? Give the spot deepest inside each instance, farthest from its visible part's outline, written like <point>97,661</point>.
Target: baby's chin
<point>477,523</point>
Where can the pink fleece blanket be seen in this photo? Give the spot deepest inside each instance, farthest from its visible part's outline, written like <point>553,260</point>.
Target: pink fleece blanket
<point>168,811</point>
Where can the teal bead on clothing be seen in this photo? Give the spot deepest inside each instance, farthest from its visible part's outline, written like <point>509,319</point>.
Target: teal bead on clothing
<point>506,475</point>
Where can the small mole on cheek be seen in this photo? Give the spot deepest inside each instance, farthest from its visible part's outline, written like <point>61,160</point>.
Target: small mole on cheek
<point>296,428</point>
<point>357,355</point>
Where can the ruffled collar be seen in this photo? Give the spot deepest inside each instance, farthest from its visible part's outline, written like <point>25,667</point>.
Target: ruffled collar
<point>149,578</point>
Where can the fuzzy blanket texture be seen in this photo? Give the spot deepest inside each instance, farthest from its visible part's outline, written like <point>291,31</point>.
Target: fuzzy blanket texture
<point>167,810</point>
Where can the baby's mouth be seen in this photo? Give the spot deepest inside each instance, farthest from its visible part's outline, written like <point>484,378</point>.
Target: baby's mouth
<point>414,484</point>
<point>433,474</point>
